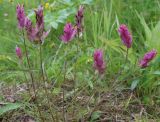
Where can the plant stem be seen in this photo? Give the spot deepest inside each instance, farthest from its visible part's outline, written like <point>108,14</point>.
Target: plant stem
<point>124,63</point>
<point>29,66</point>
<point>31,75</point>
<point>43,77</point>
<point>64,118</point>
<point>126,57</point>
<point>29,92</point>
<point>75,74</point>
<point>121,70</point>
<point>63,107</point>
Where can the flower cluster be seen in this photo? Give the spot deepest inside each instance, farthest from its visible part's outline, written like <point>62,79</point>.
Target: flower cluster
<point>149,56</point>
<point>125,35</point>
<point>99,63</point>
<point>37,33</point>
<point>71,31</point>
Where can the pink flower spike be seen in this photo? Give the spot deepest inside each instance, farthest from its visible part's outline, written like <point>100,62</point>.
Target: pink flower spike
<point>99,63</point>
<point>18,52</point>
<point>39,18</point>
<point>45,34</point>
<point>36,33</point>
<point>125,35</point>
<point>143,63</point>
<point>79,18</point>
<point>148,57</point>
<point>20,16</point>
<point>69,33</point>
<point>31,31</point>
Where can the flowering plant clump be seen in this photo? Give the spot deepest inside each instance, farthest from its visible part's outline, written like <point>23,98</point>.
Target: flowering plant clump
<point>37,33</point>
<point>99,63</point>
<point>148,57</point>
<point>125,35</point>
<point>69,33</point>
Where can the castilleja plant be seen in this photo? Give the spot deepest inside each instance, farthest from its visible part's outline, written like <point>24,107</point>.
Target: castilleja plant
<point>148,57</point>
<point>99,63</point>
<point>126,38</point>
<point>37,35</point>
<point>21,24</point>
<point>69,34</point>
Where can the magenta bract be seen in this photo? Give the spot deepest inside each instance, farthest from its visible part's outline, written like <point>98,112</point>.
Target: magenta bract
<point>39,18</point>
<point>31,32</point>
<point>125,35</point>
<point>37,33</point>
<point>99,63</point>
<point>149,56</point>
<point>18,52</point>
<point>20,16</point>
<point>79,18</point>
<point>69,33</point>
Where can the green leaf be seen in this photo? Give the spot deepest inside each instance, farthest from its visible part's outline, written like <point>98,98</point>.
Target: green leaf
<point>90,84</point>
<point>56,91</point>
<point>54,25</point>
<point>87,2</point>
<point>148,100</point>
<point>95,116</point>
<point>156,73</point>
<point>134,84</point>
<point>8,107</point>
